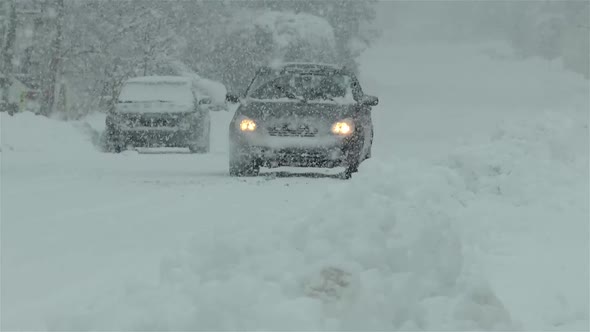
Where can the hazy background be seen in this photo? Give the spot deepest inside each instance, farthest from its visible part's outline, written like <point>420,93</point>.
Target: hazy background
<point>73,55</point>
<point>472,213</point>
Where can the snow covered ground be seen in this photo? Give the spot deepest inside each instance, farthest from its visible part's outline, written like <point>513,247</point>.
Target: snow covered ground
<point>472,214</point>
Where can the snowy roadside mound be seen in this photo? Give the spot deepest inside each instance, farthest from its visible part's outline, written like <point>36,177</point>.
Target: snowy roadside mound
<point>27,132</point>
<point>528,190</point>
<point>379,254</point>
<point>546,154</point>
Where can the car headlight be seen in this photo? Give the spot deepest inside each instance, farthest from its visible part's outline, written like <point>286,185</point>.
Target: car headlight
<point>247,125</point>
<point>344,127</point>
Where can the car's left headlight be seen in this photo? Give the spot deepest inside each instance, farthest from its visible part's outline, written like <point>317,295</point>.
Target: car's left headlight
<point>343,127</point>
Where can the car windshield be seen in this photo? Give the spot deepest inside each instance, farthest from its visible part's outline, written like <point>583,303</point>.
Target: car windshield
<point>169,92</point>
<point>303,86</point>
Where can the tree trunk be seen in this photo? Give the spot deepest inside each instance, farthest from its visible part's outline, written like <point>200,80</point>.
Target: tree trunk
<point>8,51</point>
<point>52,86</point>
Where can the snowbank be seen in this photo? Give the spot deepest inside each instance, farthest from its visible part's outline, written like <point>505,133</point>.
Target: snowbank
<point>404,245</point>
<point>526,195</point>
<point>523,158</point>
<point>400,267</point>
<point>27,132</point>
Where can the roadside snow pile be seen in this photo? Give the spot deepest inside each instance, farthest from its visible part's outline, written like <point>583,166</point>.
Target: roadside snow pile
<point>27,132</point>
<point>402,246</point>
<point>528,190</point>
<point>380,254</point>
<point>542,154</point>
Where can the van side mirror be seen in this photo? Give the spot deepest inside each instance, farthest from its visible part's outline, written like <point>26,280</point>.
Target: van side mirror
<point>368,100</point>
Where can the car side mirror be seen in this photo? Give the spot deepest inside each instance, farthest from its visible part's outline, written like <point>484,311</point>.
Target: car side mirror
<point>368,100</point>
<point>232,98</point>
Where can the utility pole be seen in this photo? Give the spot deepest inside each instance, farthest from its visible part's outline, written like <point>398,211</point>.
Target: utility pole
<point>8,53</point>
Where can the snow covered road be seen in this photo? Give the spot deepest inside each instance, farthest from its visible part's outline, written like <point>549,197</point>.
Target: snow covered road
<point>472,214</point>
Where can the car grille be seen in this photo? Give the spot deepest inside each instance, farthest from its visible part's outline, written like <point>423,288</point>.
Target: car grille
<point>152,121</point>
<point>290,131</point>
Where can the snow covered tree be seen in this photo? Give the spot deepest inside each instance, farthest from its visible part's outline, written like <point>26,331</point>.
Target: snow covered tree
<point>91,46</point>
<point>348,19</point>
<point>8,52</point>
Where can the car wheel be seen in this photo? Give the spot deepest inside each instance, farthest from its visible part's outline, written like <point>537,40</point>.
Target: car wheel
<point>353,159</point>
<point>113,142</point>
<point>351,168</point>
<point>242,167</point>
<point>369,150</point>
<point>368,154</point>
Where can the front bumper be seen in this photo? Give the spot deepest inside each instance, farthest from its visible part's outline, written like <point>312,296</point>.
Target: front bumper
<point>295,157</point>
<point>326,152</point>
<point>156,137</point>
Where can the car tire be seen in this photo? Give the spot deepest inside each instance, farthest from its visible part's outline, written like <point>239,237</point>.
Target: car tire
<point>369,150</point>
<point>353,159</point>
<point>239,167</point>
<point>242,168</point>
<point>113,142</point>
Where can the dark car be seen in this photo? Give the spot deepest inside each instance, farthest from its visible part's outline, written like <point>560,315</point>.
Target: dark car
<point>158,111</point>
<point>301,115</point>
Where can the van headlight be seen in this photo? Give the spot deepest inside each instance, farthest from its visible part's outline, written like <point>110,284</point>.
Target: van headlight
<point>343,127</point>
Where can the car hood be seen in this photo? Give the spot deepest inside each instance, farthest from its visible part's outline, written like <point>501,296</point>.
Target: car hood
<point>295,111</point>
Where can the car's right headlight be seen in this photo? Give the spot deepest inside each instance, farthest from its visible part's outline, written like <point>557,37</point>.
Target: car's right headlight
<point>343,127</point>
<point>247,125</point>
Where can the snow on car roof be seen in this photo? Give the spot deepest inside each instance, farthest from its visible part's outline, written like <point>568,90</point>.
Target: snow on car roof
<point>159,79</point>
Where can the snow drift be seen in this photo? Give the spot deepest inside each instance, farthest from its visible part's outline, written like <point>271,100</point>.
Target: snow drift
<point>27,132</point>
<point>401,267</point>
<point>417,261</point>
<point>491,235</point>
